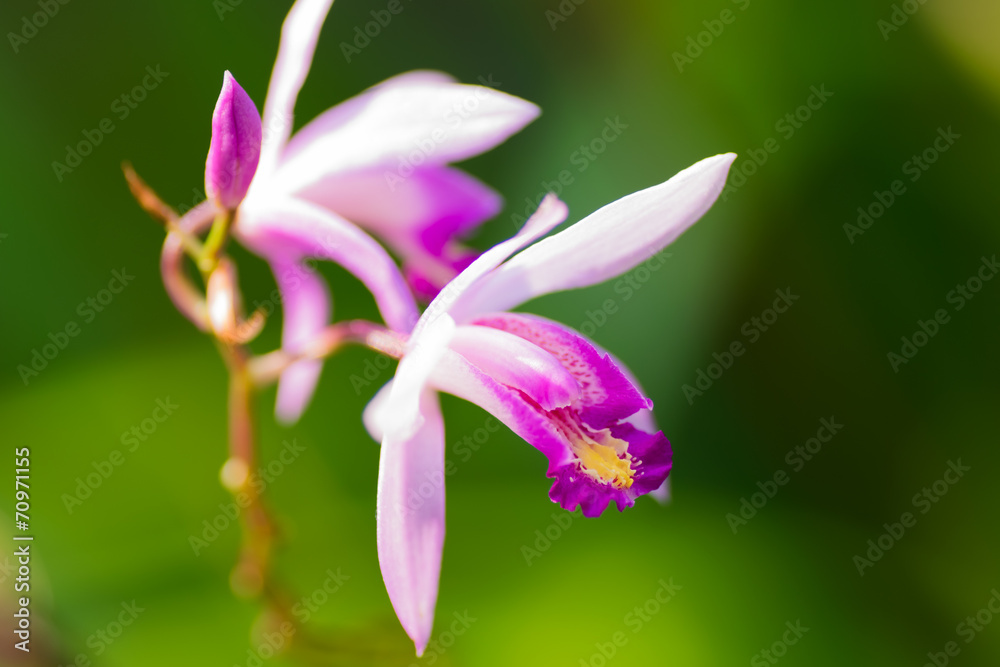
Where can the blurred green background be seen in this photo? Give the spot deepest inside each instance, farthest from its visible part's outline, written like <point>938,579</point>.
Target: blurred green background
<point>782,228</point>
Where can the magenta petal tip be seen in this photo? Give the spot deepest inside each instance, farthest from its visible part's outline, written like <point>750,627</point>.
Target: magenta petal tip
<point>235,148</point>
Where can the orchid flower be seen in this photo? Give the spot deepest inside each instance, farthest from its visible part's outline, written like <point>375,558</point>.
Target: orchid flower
<point>549,384</point>
<point>379,161</point>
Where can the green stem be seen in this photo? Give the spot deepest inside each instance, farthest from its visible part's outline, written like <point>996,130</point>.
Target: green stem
<point>218,236</point>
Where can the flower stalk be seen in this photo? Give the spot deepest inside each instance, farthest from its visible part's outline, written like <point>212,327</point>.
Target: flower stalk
<point>216,310</point>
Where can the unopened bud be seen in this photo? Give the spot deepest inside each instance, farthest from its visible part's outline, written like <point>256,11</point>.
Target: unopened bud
<point>235,149</point>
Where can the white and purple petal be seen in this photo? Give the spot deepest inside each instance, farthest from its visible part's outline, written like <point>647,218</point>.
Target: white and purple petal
<point>607,396</point>
<point>306,311</point>
<point>410,520</point>
<point>410,121</point>
<point>606,243</point>
<point>420,217</point>
<point>595,454</point>
<point>288,229</point>
<point>433,331</point>
<point>299,35</point>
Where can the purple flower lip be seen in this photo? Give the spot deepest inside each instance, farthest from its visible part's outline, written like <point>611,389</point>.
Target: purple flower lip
<point>235,148</point>
<point>551,386</point>
<point>601,456</point>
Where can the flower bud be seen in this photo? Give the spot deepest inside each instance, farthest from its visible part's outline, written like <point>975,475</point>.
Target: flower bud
<point>235,149</point>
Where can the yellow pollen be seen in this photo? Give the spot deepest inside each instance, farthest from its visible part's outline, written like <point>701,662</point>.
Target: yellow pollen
<point>602,464</point>
<point>602,457</point>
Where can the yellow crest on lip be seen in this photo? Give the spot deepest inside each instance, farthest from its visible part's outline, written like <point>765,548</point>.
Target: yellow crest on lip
<point>602,457</point>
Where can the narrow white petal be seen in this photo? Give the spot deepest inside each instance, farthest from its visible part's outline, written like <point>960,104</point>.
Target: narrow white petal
<point>608,242</point>
<point>299,35</point>
<point>410,520</point>
<point>401,417</point>
<point>550,213</point>
<point>413,120</point>
<point>375,413</point>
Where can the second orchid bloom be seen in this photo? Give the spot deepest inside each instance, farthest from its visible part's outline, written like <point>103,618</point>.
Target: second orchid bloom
<point>316,195</point>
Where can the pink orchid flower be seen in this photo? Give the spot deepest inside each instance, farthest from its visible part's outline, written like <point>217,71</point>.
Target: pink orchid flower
<point>549,384</point>
<point>379,161</point>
